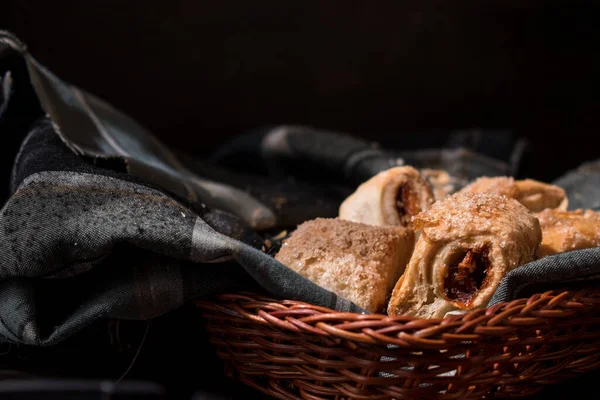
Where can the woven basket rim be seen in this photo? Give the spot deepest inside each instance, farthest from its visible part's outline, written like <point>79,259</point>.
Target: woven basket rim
<point>404,331</point>
<point>294,350</point>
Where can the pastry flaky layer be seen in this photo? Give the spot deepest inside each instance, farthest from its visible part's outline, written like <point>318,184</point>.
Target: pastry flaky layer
<point>468,242</point>
<point>356,261</point>
<point>534,195</point>
<point>391,197</point>
<point>568,230</point>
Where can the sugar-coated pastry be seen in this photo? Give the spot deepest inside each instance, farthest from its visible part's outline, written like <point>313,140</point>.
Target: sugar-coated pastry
<point>468,242</point>
<point>568,230</point>
<point>391,197</point>
<point>534,195</point>
<point>356,261</point>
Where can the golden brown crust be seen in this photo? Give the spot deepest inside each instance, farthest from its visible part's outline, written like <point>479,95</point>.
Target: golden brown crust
<point>568,230</point>
<point>538,196</point>
<point>534,195</point>
<point>504,185</point>
<point>356,261</point>
<point>391,197</point>
<point>468,243</point>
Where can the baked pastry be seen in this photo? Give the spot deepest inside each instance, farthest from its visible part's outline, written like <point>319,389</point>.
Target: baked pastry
<point>568,230</point>
<point>468,243</point>
<point>391,197</point>
<point>442,183</point>
<point>356,261</point>
<point>534,195</point>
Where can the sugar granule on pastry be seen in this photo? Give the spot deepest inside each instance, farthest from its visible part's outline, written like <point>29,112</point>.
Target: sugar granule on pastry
<point>467,245</point>
<point>357,261</point>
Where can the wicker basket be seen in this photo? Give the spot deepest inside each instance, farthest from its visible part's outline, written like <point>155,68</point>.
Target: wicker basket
<point>292,350</point>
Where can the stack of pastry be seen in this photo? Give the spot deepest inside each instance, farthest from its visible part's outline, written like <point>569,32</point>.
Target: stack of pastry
<point>405,244</point>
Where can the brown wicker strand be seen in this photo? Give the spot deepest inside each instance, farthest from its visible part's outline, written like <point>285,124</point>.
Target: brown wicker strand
<point>294,350</point>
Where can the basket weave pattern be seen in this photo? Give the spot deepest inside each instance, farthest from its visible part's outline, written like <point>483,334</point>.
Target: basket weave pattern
<point>292,350</point>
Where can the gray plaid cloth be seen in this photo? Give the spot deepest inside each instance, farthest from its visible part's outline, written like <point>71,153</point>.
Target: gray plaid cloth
<point>103,221</point>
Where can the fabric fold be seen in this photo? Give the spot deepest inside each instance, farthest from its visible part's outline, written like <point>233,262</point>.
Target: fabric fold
<point>67,221</point>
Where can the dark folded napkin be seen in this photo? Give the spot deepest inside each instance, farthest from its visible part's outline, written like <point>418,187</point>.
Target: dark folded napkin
<point>104,221</point>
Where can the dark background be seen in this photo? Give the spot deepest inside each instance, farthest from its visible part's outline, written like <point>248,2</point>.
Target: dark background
<point>197,73</point>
